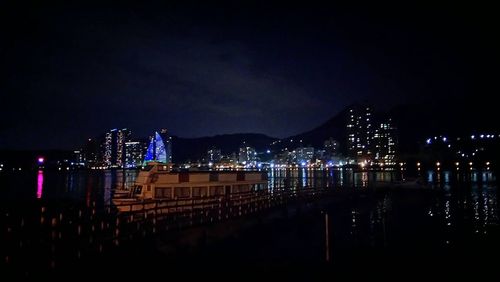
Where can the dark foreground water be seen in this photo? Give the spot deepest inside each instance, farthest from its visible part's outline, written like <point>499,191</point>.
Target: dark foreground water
<point>450,230</point>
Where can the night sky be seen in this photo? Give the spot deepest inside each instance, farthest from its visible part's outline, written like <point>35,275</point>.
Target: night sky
<point>69,72</point>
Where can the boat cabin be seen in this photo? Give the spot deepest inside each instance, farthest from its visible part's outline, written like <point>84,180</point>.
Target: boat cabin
<point>159,181</point>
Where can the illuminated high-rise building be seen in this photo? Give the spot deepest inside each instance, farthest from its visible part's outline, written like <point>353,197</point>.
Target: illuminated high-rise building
<point>134,154</point>
<point>114,147</point>
<point>123,136</point>
<point>79,158</point>
<point>214,155</point>
<point>110,148</point>
<point>331,147</point>
<point>385,143</point>
<point>247,155</point>
<point>92,153</point>
<point>304,154</point>
<point>360,133</point>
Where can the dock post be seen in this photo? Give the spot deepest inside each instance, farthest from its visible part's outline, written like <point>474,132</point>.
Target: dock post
<point>327,239</point>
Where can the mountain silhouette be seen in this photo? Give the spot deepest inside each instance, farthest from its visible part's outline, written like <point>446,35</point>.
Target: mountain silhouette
<point>415,122</point>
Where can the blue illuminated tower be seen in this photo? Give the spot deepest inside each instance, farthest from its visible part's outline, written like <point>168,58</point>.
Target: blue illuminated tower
<point>156,150</point>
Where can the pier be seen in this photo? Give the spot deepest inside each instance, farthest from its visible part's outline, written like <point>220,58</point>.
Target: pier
<point>43,239</point>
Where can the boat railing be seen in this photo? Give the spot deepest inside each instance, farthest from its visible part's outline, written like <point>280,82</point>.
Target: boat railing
<point>207,202</point>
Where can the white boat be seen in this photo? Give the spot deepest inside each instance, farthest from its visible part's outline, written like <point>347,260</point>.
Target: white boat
<point>158,184</point>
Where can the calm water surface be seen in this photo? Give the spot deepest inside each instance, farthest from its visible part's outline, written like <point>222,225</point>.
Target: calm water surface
<point>455,223</point>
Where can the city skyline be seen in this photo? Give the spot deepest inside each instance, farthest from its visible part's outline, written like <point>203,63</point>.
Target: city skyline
<point>227,139</point>
<point>72,71</point>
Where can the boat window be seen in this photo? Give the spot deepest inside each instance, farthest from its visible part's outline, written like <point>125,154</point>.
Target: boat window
<point>147,167</point>
<point>241,188</point>
<point>181,192</point>
<point>138,189</point>
<point>216,190</point>
<point>163,168</point>
<point>200,191</point>
<point>165,193</point>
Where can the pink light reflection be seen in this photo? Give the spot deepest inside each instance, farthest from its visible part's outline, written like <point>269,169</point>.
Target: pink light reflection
<point>39,184</point>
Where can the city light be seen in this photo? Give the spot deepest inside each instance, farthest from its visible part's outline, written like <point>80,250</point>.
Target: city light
<point>41,160</point>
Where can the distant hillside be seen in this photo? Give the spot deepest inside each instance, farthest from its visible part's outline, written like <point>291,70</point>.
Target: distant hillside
<point>334,127</point>
<point>415,123</point>
<point>196,148</point>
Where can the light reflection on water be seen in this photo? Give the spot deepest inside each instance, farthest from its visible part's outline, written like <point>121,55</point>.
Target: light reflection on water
<point>39,184</point>
<point>81,186</point>
<point>462,203</point>
<point>296,178</point>
<point>468,198</point>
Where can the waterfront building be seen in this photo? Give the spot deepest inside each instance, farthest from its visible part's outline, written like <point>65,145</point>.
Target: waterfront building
<point>331,148</point>
<point>304,154</point>
<point>92,151</point>
<point>214,155</point>
<point>134,154</point>
<point>360,133</point>
<point>114,147</point>
<point>110,148</point>
<point>384,140</point>
<point>247,155</point>
<point>79,158</point>
<point>123,136</point>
